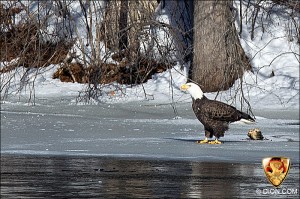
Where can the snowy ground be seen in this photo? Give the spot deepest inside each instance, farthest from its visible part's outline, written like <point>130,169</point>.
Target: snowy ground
<point>140,130</point>
<point>273,50</point>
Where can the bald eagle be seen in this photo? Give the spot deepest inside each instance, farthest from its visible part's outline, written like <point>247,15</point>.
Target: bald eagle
<point>214,115</point>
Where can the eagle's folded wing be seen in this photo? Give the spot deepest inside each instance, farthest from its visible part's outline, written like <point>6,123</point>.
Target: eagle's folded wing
<point>219,111</point>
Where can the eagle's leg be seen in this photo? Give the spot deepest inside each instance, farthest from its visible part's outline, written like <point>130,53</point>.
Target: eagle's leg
<point>216,141</point>
<point>203,141</point>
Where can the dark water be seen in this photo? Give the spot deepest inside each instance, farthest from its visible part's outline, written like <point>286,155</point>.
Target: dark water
<point>97,177</point>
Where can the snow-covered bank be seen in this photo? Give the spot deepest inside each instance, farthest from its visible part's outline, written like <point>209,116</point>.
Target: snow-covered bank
<point>274,83</point>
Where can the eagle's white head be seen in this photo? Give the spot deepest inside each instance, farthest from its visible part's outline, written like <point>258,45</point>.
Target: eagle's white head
<point>193,89</point>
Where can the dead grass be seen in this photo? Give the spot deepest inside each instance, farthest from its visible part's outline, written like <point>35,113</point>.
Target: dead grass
<point>123,72</point>
<point>22,43</point>
<point>22,46</point>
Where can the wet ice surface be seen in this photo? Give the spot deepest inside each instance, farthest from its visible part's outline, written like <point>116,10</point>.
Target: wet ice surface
<point>141,130</point>
<point>138,150</point>
<point>98,177</point>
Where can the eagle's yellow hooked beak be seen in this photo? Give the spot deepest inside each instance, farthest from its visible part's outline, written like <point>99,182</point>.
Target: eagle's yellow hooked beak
<point>184,87</point>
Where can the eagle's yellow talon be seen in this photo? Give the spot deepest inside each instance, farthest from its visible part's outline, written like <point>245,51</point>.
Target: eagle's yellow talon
<point>215,142</point>
<point>202,141</point>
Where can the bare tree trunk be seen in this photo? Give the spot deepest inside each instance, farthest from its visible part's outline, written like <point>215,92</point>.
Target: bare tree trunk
<point>109,25</point>
<point>218,58</point>
<point>123,33</point>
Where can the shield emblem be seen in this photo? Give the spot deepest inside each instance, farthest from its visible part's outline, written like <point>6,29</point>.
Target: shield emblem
<point>276,169</point>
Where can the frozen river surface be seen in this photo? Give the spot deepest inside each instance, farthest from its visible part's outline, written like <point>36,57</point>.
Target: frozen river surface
<point>141,131</point>
<point>138,151</point>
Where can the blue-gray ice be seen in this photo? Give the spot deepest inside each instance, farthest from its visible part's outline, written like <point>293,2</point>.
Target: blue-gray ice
<point>141,130</point>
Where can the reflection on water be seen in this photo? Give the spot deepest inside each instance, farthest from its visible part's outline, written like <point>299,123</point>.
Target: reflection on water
<point>92,177</point>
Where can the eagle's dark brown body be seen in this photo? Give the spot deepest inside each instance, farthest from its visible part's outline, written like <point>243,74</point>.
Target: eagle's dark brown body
<point>216,116</point>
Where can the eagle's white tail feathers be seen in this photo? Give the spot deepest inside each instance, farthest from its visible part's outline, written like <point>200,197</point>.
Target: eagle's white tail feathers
<point>247,121</point>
